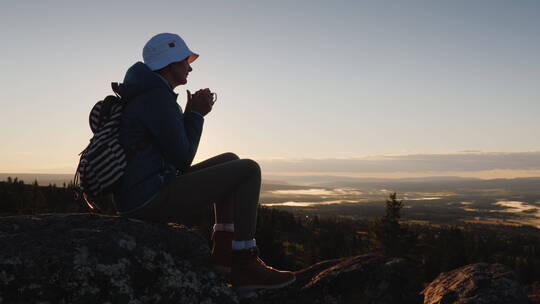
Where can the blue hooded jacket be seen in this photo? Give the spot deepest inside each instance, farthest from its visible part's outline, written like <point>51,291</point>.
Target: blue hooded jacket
<point>163,140</point>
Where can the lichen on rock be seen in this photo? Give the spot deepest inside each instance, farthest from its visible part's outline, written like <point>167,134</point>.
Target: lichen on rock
<point>86,258</point>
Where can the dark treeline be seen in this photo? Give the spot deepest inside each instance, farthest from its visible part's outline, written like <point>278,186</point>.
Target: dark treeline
<point>17,197</point>
<point>292,242</point>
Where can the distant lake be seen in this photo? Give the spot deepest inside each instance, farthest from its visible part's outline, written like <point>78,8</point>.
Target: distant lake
<point>517,206</point>
<point>310,204</point>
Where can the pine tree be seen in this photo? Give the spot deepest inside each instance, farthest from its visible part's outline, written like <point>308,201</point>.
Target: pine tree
<point>387,234</point>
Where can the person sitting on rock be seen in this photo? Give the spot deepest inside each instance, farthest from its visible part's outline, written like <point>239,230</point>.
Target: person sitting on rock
<point>159,183</point>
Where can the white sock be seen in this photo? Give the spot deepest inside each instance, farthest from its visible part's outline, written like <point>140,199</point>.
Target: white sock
<point>250,243</point>
<point>224,227</point>
<point>240,245</point>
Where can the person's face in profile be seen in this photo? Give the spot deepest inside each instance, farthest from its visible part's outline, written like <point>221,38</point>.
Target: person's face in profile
<point>179,72</point>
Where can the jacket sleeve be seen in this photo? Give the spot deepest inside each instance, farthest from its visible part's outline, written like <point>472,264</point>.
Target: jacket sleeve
<point>177,136</point>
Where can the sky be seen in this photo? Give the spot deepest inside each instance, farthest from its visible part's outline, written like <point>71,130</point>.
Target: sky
<point>311,82</point>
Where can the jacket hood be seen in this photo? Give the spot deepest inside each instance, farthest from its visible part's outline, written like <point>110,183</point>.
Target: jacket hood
<point>139,79</point>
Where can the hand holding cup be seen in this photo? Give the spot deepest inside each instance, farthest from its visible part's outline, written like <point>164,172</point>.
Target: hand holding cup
<point>201,102</point>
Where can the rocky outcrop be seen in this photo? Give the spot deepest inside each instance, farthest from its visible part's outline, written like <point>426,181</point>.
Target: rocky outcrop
<point>82,258</point>
<point>85,258</point>
<point>476,284</point>
<point>367,278</point>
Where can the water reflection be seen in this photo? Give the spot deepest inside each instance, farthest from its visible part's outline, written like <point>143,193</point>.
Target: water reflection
<point>422,198</point>
<point>309,204</point>
<point>317,191</point>
<point>517,206</point>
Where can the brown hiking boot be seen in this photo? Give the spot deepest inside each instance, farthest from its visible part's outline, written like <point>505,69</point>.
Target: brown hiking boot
<point>221,251</point>
<point>249,273</point>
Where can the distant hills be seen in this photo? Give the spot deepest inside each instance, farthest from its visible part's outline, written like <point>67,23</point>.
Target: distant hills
<point>292,182</point>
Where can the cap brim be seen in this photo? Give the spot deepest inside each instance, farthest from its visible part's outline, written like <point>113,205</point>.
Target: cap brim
<point>163,62</point>
<point>192,57</point>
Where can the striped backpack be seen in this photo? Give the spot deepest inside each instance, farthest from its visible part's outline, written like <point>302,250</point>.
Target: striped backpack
<point>103,161</point>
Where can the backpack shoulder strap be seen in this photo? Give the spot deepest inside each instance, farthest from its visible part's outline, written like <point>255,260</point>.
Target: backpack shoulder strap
<point>114,87</point>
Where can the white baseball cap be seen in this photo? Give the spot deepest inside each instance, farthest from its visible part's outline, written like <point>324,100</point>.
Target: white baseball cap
<point>164,49</point>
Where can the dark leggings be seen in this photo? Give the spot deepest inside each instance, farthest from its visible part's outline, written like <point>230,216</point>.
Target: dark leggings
<point>224,180</point>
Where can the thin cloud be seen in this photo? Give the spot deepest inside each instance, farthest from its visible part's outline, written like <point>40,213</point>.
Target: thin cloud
<point>411,163</point>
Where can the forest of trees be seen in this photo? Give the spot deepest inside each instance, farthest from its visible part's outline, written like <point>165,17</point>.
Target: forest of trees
<point>293,242</point>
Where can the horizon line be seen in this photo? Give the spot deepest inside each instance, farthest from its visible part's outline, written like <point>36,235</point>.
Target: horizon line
<point>269,175</point>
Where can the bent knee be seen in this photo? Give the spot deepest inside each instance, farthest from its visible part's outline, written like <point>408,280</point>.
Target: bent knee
<point>230,156</point>
<point>252,165</point>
